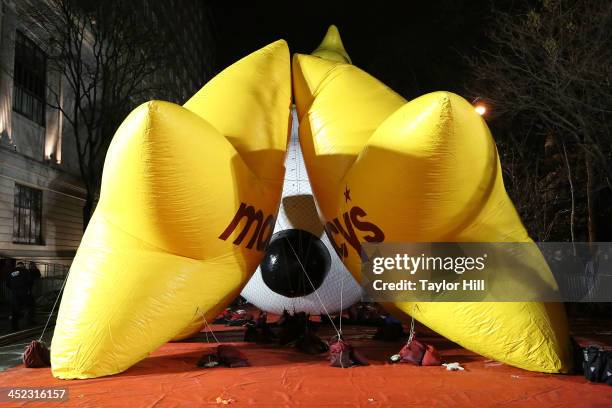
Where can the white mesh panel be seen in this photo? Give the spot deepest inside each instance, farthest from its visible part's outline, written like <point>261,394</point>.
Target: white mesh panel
<point>298,210</point>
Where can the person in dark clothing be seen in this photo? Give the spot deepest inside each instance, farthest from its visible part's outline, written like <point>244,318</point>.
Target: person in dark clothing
<point>34,276</point>
<point>20,282</point>
<point>34,272</point>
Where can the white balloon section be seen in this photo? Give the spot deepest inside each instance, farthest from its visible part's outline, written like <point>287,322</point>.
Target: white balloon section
<point>336,289</point>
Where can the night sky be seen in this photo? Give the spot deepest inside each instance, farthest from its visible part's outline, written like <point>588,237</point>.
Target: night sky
<point>414,47</point>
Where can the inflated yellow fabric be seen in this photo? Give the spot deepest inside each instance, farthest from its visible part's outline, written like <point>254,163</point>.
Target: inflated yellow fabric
<point>161,252</point>
<point>384,169</point>
<point>331,48</point>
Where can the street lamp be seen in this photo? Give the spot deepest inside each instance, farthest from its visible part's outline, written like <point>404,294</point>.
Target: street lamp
<point>480,109</point>
<point>479,106</point>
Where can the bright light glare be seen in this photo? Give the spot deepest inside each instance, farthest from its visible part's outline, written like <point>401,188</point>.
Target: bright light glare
<point>480,109</point>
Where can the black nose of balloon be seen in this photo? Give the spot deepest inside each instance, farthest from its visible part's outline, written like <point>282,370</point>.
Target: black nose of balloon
<point>289,254</point>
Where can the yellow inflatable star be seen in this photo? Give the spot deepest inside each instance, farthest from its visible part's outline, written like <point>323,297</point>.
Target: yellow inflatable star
<point>387,170</point>
<point>188,203</point>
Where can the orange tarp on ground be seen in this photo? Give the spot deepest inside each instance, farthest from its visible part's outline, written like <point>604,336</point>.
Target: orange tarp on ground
<point>283,377</point>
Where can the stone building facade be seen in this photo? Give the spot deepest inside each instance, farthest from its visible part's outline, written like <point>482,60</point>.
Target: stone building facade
<point>41,197</point>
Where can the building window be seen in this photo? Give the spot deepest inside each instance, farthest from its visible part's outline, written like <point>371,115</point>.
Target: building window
<point>29,79</point>
<point>27,216</point>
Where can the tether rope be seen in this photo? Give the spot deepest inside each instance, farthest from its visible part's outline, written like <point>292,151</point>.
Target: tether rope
<point>297,152</point>
<point>207,325</point>
<point>59,295</point>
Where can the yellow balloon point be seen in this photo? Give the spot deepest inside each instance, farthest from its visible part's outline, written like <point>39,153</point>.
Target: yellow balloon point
<point>425,170</point>
<point>331,47</point>
<point>188,202</point>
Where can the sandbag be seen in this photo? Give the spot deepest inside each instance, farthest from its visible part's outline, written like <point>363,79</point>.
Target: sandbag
<point>431,356</point>
<point>413,352</point>
<point>343,355</point>
<point>36,355</point>
<point>225,355</point>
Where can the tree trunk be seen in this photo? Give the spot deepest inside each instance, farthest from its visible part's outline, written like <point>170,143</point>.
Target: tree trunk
<point>572,194</point>
<point>588,164</point>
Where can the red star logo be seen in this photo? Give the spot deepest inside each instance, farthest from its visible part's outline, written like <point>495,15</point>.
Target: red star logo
<point>347,194</point>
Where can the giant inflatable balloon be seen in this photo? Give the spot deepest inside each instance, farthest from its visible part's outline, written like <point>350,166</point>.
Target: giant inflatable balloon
<point>187,206</point>
<point>387,170</point>
<point>300,258</point>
